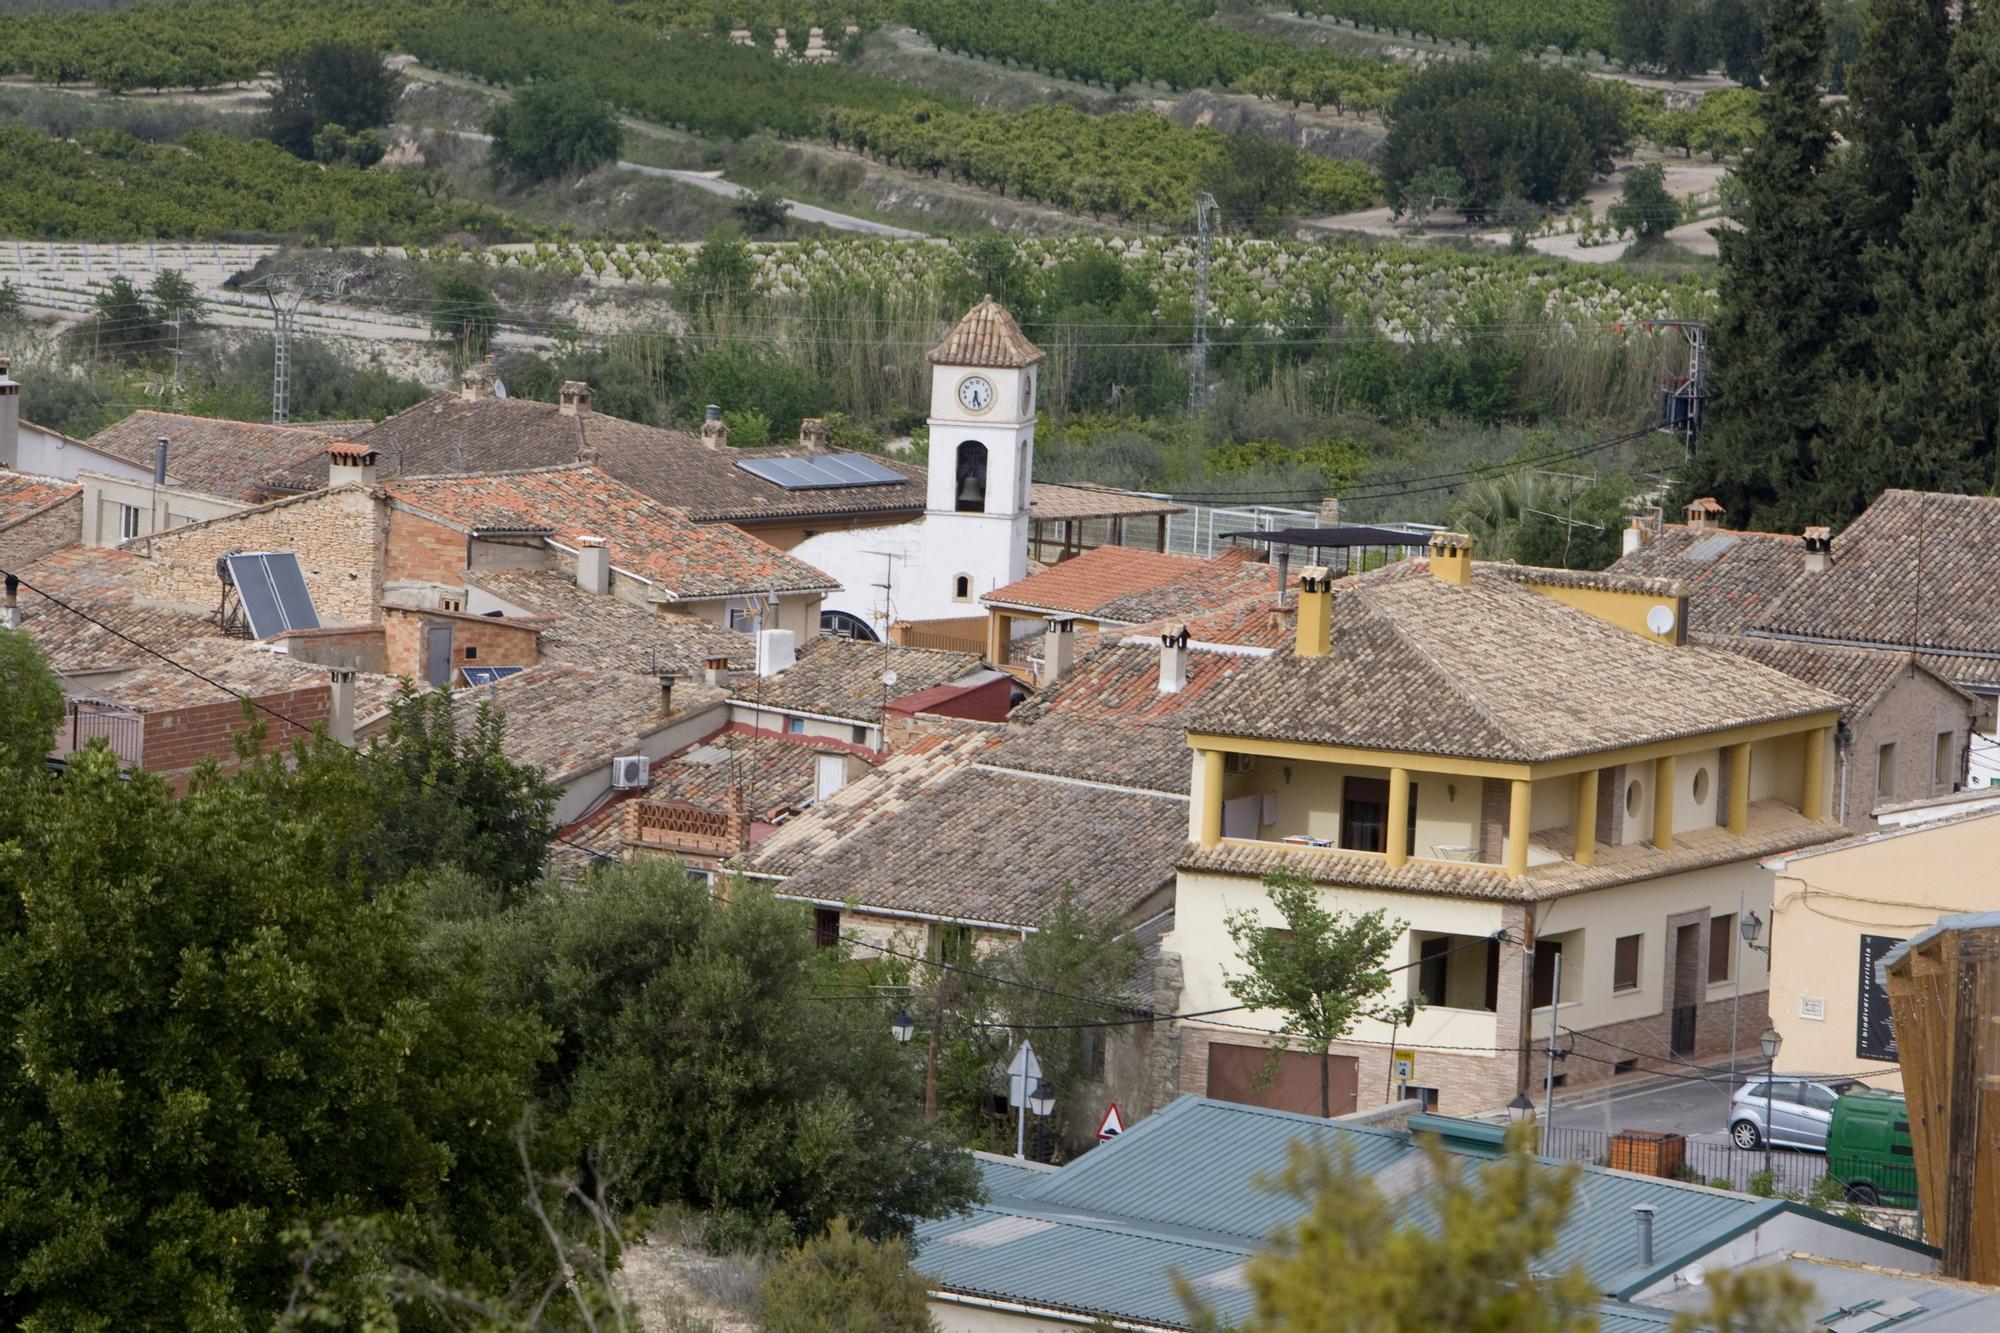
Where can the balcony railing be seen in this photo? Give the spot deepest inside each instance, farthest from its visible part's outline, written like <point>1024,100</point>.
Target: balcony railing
<point>85,722</point>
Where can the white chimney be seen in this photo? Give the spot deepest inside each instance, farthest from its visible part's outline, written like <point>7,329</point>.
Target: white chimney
<point>340,706</point>
<point>348,464</point>
<point>1635,536</point>
<point>160,461</point>
<point>1819,550</point>
<point>715,671</point>
<point>714,430</point>
<point>593,565</point>
<point>10,604</point>
<point>573,400</point>
<point>1174,659</point>
<point>829,774</point>
<point>776,650</point>
<point>10,418</point>
<point>1705,514</point>
<point>1058,650</point>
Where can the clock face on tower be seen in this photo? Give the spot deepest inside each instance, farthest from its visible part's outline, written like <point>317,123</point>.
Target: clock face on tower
<point>975,393</point>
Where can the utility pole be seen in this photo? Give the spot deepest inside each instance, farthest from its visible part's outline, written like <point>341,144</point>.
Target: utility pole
<point>1204,215</point>
<point>1683,399</point>
<point>284,291</point>
<point>174,323</point>
<point>1555,1015</point>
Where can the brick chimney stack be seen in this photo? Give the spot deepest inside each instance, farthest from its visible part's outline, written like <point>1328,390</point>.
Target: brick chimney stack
<point>812,435</point>
<point>1704,514</point>
<point>473,386</point>
<point>714,430</point>
<point>715,671</point>
<point>574,398</point>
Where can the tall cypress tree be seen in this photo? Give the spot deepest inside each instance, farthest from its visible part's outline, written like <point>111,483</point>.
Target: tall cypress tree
<point>1899,94</point>
<point>1788,287</point>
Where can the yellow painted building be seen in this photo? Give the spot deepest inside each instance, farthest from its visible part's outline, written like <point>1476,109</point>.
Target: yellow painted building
<point>1519,765</point>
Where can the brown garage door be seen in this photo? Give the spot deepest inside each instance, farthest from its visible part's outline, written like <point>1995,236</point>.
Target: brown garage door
<point>1235,1072</point>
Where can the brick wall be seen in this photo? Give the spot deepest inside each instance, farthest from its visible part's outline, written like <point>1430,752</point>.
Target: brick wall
<point>337,536</point>
<point>1910,714</point>
<point>475,641</point>
<point>175,742</point>
<point>35,536</point>
<point>423,551</point>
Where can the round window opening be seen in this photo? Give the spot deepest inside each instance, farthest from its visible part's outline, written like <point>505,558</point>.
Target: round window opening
<point>1701,784</point>
<point>1632,799</point>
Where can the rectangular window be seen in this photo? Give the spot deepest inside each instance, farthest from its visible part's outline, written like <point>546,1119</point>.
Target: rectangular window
<point>1721,947</point>
<point>1433,966</point>
<point>1544,989</point>
<point>1426,1097</point>
<point>1944,769</point>
<point>1885,771</point>
<point>1092,1052</point>
<point>128,522</point>
<point>826,927</point>
<point>950,944</point>
<point>1364,810</point>
<point>740,619</point>
<point>861,735</point>
<point>795,726</point>
<point>1625,962</point>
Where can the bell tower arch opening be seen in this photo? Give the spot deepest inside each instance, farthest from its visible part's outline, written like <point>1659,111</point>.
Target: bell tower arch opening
<point>970,484</point>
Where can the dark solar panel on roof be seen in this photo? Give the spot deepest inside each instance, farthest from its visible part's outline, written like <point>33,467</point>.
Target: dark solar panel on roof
<point>487,675</point>
<point>824,472</point>
<point>1707,550</point>
<point>273,591</point>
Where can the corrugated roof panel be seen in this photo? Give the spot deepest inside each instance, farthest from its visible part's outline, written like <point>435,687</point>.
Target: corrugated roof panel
<point>1709,549</point>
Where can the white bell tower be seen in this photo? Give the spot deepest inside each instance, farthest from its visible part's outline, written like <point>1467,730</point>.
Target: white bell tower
<point>982,450</point>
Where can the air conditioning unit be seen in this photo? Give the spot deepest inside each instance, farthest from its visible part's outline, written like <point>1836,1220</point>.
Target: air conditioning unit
<point>1238,763</point>
<point>630,772</point>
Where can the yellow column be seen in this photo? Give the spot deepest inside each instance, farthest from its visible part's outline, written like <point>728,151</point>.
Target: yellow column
<point>1739,789</point>
<point>1583,819</point>
<point>1397,837</point>
<point>1812,804</point>
<point>1208,798</point>
<point>1520,808</point>
<point>1663,803</point>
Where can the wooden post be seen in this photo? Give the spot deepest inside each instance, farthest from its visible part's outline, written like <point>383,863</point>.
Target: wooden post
<point>1520,813</point>
<point>1663,803</point>
<point>1739,789</point>
<point>1396,838</point>
<point>1583,818</point>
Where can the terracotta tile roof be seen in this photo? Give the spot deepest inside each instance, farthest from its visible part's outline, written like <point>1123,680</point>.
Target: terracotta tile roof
<point>610,632</point>
<point>1106,721</point>
<point>843,678</point>
<point>566,719</point>
<point>1773,828</point>
<point>1086,499</point>
<point>1591,580</point>
<point>683,559</point>
<point>1080,585</point>
<point>1732,578</point>
<point>1217,582</point>
<point>237,667</point>
<point>99,581</point>
<point>987,336</point>
<point>1257,621</point>
<point>23,494</point>
<point>1860,676</point>
<point>1915,570</point>
<point>234,459</point>
<point>449,435</point>
<point>1493,670</point>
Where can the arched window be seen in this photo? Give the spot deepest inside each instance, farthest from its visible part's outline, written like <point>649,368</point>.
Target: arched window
<point>845,625</point>
<point>971,488</point>
<point>961,587</point>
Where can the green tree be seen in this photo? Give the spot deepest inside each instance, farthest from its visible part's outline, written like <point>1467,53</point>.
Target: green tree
<point>31,706</point>
<point>337,145</point>
<point>1787,283</point>
<point>124,322</point>
<point>722,273</point>
<point>329,83</point>
<point>700,1062</point>
<point>843,1282</point>
<point>1320,969</point>
<point>1736,35</point>
<point>553,129</point>
<point>464,315</point>
<point>211,1036</point>
<point>763,212</point>
<point>1431,189</point>
<point>1644,207</point>
<point>173,297</point>
<point>1350,1265</point>
<point>1900,93</point>
<point>1255,181</point>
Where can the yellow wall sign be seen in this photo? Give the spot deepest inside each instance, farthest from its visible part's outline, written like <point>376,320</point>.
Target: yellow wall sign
<point>1406,1065</point>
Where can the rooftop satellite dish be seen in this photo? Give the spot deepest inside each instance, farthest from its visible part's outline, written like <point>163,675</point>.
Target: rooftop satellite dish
<point>888,678</point>
<point>499,389</point>
<point>1694,1275</point>
<point>1660,619</point>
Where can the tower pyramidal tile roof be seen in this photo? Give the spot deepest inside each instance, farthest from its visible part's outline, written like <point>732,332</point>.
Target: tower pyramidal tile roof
<point>987,336</point>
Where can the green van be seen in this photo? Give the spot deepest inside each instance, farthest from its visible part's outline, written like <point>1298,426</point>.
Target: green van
<point>1868,1149</point>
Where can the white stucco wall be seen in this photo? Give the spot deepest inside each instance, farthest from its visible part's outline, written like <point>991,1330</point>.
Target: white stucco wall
<point>48,454</point>
<point>922,558</point>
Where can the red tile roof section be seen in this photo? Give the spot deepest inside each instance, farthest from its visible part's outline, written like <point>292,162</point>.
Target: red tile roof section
<point>1080,585</point>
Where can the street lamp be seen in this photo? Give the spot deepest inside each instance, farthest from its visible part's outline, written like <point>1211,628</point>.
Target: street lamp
<point>1521,1110</point>
<point>903,1026</point>
<point>1752,925</point>
<point>1770,1041</point>
<point>1042,1101</point>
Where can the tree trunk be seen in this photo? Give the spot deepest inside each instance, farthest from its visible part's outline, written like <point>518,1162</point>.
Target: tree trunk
<point>1325,1104</point>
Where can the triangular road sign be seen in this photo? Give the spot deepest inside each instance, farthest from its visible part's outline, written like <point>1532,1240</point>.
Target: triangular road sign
<point>1114,1124</point>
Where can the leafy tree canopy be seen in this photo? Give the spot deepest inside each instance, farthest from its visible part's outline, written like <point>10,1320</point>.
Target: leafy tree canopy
<point>553,129</point>
<point>329,83</point>
<point>843,1282</point>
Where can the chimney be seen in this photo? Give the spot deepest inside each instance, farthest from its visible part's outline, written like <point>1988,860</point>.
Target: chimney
<point>574,398</point>
<point>1329,511</point>
<point>474,386</point>
<point>1315,629</point>
<point>1642,1213</point>
<point>666,694</point>
<point>776,650</point>
<point>714,430</point>
<point>340,706</point>
<point>1058,650</point>
<point>812,435</point>
<point>1704,514</point>
<point>10,418</point>
<point>1284,570</point>
<point>715,671</point>
<point>347,464</point>
<point>1636,536</point>
<point>160,461</point>
<point>1451,557</point>
<point>1174,659</point>
<point>10,604</point>
<point>593,565</point>
<point>1819,550</point>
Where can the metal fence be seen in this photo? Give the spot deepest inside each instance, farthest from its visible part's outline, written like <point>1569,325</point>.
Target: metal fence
<point>121,730</point>
<point>1865,1180</point>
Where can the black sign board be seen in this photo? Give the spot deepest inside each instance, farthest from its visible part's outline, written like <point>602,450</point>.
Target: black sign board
<point>1874,1030</point>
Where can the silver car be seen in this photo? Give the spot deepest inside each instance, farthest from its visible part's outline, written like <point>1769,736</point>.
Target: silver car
<point>1801,1109</point>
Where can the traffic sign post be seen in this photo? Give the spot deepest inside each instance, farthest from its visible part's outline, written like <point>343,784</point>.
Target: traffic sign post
<point>1112,1126</point>
<point>1024,1075</point>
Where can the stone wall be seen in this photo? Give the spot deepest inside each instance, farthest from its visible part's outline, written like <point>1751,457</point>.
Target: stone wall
<point>475,640</point>
<point>35,536</point>
<point>336,535</point>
